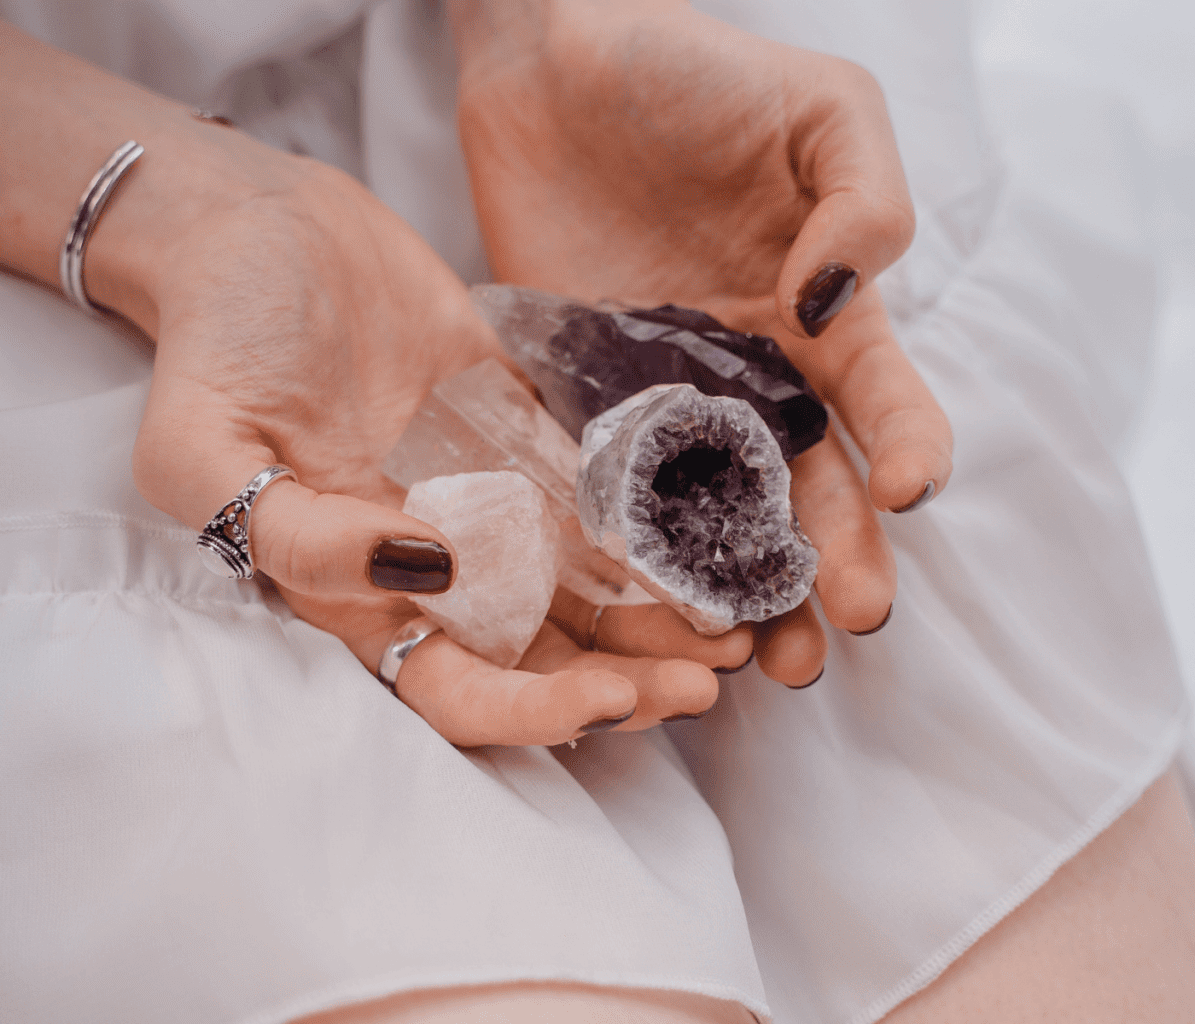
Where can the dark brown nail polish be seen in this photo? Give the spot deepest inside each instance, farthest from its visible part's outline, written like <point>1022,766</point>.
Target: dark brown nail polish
<point>415,566</point>
<point>824,295</point>
<point>874,629</point>
<point>731,671</point>
<point>805,686</point>
<point>682,717</point>
<point>926,497</point>
<point>602,724</point>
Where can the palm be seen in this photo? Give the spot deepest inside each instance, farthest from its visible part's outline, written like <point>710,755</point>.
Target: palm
<point>609,185</point>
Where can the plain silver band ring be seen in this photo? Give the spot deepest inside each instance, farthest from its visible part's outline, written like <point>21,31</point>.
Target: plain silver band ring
<point>224,543</point>
<point>410,636</point>
<point>99,191</point>
<point>593,626</point>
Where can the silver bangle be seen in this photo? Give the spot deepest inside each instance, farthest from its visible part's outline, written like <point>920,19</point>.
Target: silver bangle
<point>70,260</point>
<point>409,636</point>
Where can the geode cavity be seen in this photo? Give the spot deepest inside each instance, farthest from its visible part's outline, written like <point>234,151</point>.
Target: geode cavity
<point>691,494</point>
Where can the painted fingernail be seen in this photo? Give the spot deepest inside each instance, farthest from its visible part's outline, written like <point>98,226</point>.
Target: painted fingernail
<point>805,686</point>
<point>602,724</point>
<point>874,629</point>
<point>824,295</point>
<point>732,671</point>
<point>926,497</point>
<point>682,717</point>
<point>416,566</point>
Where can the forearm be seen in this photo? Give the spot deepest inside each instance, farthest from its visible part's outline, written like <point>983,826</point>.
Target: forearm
<point>60,119</point>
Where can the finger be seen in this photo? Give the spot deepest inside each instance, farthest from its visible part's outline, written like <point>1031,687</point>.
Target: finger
<point>844,156</point>
<point>472,703</point>
<point>791,648</point>
<point>856,574</point>
<point>647,631</point>
<point>888,409</point>
<point>880,397</point>
<point>668,688</point>
<point>307,542</point>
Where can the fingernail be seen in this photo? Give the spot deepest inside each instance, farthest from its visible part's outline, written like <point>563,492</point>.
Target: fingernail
<point>875,629</point>
<point>926,497</point>
<point>805,686</point>
<point>416,566</point>
<point>824,295</point>
<point>602,724</point>
<point>732,671</point>
<point>682,717</point>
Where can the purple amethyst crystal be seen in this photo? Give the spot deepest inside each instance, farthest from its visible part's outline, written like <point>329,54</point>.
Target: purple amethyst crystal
<point>586,360</point>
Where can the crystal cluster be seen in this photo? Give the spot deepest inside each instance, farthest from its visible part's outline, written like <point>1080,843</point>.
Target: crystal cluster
<point>585,360</point>
<point>690,493</point>
<point>508,554</point>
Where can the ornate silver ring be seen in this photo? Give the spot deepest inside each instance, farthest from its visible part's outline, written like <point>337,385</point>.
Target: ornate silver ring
<point>224,543</point>
<point>410,636</point>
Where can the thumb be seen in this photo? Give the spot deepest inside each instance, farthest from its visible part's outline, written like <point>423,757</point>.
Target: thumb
<point>844,156</point>
<point>313,543</point>
<point>308,542</point>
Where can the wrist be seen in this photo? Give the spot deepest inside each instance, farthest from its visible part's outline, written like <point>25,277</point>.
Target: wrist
<point>493,33</point>
<point>192,173</point>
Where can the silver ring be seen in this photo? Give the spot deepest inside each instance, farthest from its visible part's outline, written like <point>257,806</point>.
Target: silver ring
<point>593,626</point>
<point>99,191</point>
<point>400,647</point>
<point>224,543</point>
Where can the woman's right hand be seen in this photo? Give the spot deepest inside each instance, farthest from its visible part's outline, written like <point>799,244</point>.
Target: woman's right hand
<point>297,321</point>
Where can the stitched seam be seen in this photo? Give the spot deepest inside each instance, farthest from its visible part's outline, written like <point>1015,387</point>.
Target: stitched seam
<point>92,520</point>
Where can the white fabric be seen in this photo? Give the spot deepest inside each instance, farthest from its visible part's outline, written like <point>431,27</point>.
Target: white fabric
<point>211,812</point>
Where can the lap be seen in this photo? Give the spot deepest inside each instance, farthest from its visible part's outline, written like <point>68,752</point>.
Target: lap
<point>539,1003</point>
<point>1110,937</point>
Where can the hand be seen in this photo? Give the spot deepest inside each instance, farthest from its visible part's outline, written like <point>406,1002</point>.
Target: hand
<point>644,152</point>
<point>297,320</point>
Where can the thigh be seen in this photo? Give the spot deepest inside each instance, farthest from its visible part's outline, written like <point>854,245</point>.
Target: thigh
<point>1109,938</point>
<point>540,1003</point>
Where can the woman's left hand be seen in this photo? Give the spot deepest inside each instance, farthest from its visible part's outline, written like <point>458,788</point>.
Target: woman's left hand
<point>644,152</point>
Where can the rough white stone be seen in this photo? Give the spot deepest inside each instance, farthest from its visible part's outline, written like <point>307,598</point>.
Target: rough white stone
<point>508,551</point>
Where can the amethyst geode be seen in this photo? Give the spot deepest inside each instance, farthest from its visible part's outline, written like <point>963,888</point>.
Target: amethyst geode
<point>585,360</point>
<point>690,494</point>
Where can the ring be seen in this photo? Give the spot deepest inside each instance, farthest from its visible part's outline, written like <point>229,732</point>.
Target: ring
<point>593,626</point>
<point>224,543</point>
<point>410,636</point>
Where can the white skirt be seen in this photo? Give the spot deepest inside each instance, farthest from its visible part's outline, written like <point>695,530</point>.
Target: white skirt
<point>212,812</point>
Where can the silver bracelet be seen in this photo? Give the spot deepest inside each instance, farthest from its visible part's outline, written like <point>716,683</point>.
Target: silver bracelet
<point>70,260</point>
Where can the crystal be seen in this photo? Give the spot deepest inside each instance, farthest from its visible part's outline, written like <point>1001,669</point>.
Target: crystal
<point>691,494</point>
<point>483,419</point>
<point>508,553</point>
<point>585,360</point>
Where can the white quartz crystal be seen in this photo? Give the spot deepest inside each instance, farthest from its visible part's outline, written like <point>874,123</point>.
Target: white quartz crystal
<point>508,555</point>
